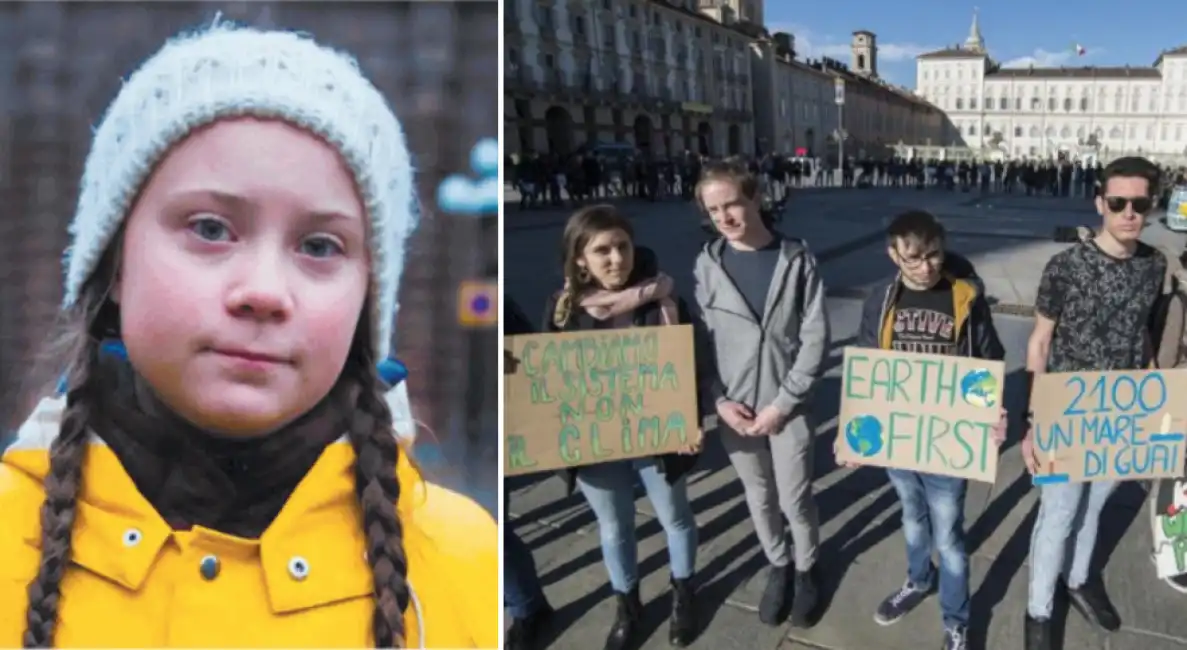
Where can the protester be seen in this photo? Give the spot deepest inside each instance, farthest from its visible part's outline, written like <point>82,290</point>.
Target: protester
<point>761,303</point>
<point>1093,312</point>
<point>523,596</point>
<point>220,468</point>
<point>611,283</point>
<point>928,309</point>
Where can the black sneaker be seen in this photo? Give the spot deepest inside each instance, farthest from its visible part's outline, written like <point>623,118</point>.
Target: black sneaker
<point>527,633</point>
<point>1092,602</point>
<point>773,606</point>
<point>956,638</point>
<point>900,603</point>
<point>805,597</point>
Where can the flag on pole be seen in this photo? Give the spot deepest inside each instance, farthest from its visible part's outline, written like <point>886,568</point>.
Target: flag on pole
<point>1080,51</point>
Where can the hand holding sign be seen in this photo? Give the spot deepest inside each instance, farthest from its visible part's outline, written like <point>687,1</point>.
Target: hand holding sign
<point>998,433</point>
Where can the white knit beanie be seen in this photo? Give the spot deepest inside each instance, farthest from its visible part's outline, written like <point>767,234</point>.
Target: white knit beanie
<point>228,71</point>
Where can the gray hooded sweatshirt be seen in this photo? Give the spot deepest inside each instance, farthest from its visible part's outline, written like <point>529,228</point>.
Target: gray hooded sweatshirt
<point>773,362</point>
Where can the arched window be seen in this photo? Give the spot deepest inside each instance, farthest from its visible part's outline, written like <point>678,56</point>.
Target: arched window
<point>1034,131</point>
<point>1065,132</point>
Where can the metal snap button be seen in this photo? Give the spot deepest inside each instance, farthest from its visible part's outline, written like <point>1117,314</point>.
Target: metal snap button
<point>299,568</point>
<point>132,537</point>
<point>209,567</point>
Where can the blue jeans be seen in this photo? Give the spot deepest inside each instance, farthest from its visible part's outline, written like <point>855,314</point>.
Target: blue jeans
<point>522,594</point>
<point>610,490</point>
<point>1063,539</point>
<point>933,519</point>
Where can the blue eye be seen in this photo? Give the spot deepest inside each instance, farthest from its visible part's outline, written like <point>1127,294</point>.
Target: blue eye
<point>320,247</point>
<point>210,229</point>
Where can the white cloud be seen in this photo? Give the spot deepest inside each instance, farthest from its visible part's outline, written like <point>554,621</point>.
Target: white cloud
<point>812,45</point>
<point>1041,58</point>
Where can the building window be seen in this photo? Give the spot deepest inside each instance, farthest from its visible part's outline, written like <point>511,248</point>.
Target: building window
<point>1017,103</point>
<point>972,129</point>
<point>1051,104</point>
<point>959,103</point>
<point>972,103</point>
<point>1036,104</point>
<point>1017,132</point>
<point>1034,131</point>
<point>579,25</point>
<point>1083,104</point>
<point>1067,103</point>
<point>1065,132</point>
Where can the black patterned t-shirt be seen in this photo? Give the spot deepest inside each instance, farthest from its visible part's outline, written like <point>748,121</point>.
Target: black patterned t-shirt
<point>1101,306</point>
<point>925,321</point>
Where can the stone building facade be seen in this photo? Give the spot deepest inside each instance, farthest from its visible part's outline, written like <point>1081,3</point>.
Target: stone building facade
<point>661,77</point>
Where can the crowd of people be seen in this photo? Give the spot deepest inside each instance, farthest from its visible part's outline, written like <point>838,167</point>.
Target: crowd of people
<point>552,181</point>
<point>766,422</point>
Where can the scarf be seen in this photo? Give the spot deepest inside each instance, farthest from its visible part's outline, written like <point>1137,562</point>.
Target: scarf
<point>604,304</point>
<point>192,477</point>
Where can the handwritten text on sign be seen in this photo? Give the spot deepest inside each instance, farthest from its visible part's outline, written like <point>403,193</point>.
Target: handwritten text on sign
<point>1093,426</point>
<point>923,412</point>
<point>578,398</point>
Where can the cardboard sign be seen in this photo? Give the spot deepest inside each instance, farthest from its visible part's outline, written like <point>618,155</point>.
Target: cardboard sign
<point>924,412</point>
<point>579,398</point>
<point>1170,527</point>
<point>1109,426</point>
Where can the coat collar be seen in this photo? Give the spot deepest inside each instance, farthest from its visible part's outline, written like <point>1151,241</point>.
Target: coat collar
<point>118,534</point>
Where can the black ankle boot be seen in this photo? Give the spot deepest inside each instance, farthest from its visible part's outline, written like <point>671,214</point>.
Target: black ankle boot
<point>682,627</point>
<point>527,633</point>
<point>1038,634</point>
<point>626,622</point>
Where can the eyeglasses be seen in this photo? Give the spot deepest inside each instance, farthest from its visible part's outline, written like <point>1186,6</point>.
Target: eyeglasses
<point>934,259</point>
<point>1141,204</point>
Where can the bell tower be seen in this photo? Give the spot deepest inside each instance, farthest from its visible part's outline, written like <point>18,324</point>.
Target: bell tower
<point>864,53</point>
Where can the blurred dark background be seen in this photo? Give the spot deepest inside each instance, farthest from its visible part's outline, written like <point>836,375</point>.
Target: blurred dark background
<point>437,62</point>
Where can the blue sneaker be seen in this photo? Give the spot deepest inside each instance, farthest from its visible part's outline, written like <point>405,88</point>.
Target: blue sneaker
<point>900,603</point>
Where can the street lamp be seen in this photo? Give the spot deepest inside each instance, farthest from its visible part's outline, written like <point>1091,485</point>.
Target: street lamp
<point>839,88</point>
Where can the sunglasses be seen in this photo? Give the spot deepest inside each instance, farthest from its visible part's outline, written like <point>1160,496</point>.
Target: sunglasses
<point>1141,204</point>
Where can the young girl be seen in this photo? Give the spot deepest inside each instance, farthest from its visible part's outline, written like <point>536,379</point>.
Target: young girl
<point>609,283</point>
<point>230,477</point>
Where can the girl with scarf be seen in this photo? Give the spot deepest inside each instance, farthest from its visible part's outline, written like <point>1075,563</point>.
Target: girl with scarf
<point>221,468</point>
<point>609,284</point>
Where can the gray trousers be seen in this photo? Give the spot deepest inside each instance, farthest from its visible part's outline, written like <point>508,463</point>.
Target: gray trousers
<point>776,473</point>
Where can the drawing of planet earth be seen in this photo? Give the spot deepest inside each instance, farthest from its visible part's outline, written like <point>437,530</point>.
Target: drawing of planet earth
<point>864,435</point>
<point>979,388</point>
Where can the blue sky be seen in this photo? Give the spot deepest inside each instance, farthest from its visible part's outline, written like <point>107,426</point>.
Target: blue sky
<point>1017,32</point>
